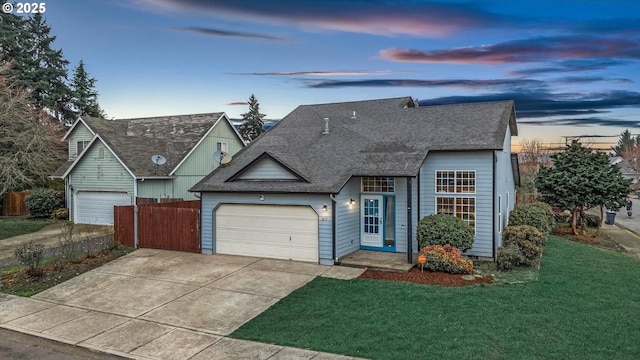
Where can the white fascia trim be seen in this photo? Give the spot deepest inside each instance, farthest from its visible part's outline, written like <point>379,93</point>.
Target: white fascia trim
<point>74,126</point>
<point>86,150</point>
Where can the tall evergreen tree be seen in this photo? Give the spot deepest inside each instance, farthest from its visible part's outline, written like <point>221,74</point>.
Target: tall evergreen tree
<point>45,74</point>
<point>26,45</point>
<point>581,178</point>
<point>84,95</point>
<point>252,126</point>
<point>625,142</point>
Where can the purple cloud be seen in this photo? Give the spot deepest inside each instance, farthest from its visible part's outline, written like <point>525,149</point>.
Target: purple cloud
<point>424,19</point>
<point>524,51</point>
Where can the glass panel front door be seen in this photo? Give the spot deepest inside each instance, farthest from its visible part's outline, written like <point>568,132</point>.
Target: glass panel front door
<point>372,216</point>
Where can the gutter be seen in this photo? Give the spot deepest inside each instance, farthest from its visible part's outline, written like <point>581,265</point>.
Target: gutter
<point>493,207</point>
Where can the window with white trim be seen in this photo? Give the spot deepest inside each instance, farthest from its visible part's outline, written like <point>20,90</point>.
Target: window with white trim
<point>499,213</point>
<point>222,146</point>
<point>450,183</point>
<point>378,184</point>
<point>80,146</point>
<point>456,181</point>
<point>461,207</point>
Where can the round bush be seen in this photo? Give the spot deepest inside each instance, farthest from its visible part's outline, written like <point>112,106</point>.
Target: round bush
<point>528,239</point>
<point>537,214</point>
<point>42,202</point>
<point>441,229</point>
<point>509,257</point>
<point>445,259</point>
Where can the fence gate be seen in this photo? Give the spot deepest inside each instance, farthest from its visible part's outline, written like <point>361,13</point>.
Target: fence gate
<point>168,226</point>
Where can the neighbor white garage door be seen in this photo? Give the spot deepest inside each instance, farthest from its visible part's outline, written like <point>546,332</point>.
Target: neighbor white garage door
<point>271,231</point>
<point>96,207</point>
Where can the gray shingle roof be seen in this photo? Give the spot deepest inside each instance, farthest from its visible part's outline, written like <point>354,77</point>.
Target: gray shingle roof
<point>387,137</point>
<point>134,141</point>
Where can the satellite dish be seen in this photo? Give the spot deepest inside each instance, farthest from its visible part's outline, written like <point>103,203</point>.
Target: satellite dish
<point>219,155</point>
<point>158,159</point>
<point>226,158</point>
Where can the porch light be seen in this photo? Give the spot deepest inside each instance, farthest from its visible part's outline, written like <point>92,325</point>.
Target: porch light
<point>324,208</point>
<point>352,201</point>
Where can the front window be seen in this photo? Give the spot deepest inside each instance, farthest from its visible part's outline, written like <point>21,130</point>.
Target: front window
<point>450,185</point>
<point>378,184</point>
<point>456,182</point>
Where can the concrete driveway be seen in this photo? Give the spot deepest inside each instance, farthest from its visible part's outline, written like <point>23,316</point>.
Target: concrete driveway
<point>157,304</point>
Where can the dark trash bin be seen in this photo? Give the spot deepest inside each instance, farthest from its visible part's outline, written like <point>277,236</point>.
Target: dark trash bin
<point>611,218</point>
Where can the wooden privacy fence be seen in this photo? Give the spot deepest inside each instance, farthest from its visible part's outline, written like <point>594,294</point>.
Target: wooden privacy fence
<point>168,226</point>
<point>13,204</point>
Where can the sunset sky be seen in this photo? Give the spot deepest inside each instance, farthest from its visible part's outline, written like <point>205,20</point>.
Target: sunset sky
<point>571,66</point>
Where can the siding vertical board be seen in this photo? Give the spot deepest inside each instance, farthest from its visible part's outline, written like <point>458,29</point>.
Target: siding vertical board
<point>348,218</point>
<point>267,169</point>
<point>155,189</point>
<point>101,174</point>
<point>80,133</point>
<point>210,201</point>
<point>482,163</point>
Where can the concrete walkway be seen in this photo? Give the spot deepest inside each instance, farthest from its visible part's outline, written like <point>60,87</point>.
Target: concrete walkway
<point>158,304</point>
<point>626,229</point>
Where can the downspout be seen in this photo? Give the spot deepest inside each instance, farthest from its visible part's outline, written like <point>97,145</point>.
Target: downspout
<point>493,207</point>
<point>409,222</point>
<point>135,213</point>
<point>333,228</point>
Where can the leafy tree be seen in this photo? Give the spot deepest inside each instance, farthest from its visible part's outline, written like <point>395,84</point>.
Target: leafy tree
<point>84,95</point>
<point>252,126</point>
<point>30,146</point>
<point>581,178</point>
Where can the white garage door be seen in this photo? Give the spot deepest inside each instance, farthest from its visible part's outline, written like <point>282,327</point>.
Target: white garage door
<point>271,231</point>
<point>96,207</point>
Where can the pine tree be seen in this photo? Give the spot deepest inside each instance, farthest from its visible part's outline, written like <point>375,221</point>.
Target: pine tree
<point>581,178</point>
<point>85,97</point>
<point>252,126</point>
<point>625,141</point>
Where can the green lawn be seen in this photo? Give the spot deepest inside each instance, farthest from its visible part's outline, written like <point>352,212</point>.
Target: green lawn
<point>584,305</point>
<point>14,226</point>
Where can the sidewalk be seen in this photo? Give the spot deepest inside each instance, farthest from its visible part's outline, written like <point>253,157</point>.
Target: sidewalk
<point>626,229</point>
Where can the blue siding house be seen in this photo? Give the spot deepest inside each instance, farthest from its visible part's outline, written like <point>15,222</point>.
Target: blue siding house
<point>331,179</point>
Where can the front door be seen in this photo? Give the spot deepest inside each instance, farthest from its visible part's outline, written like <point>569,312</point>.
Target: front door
<point>372,220</point>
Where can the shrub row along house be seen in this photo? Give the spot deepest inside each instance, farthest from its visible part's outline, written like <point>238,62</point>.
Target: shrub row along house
<point>325,181</point>
<point>330,179</point>
<point>113,162</point>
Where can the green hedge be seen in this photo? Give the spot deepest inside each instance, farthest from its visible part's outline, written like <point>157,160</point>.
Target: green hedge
<point>441,229</point>
<point>537,214</point>
<point>43,202</point>
<point>521,246</point>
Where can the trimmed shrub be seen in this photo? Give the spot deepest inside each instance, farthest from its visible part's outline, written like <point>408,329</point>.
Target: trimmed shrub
<point>537,214</point>
<point>60,214</point>
<point>562,217</point>
<point>42,202</point>
<point>592,220</point>
<point>528,239</point>
<point>31,255</point>
<point>509,257</point>
<point>441,229</point>
<point>446,259</point>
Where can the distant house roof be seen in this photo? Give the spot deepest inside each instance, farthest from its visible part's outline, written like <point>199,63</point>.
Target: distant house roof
<point>135,141</point>
<point>387,137</point>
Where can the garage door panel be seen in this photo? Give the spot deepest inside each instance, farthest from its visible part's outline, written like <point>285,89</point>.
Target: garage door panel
<point>96,207</point>
<point>280,232</point>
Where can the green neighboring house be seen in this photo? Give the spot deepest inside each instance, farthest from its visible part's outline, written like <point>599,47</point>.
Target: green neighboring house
<point>113,162</point>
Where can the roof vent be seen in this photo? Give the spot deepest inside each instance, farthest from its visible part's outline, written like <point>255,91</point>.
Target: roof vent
<point>354,114</point>
<point>326,126</point>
